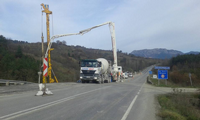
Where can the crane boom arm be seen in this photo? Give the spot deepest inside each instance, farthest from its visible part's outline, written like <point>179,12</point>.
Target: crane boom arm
<point>113,39</point>
<point>57,36</point>
<point>89,29</point>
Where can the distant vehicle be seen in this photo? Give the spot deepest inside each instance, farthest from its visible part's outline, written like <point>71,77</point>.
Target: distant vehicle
<point>130,75</point>
<point>126,75</point>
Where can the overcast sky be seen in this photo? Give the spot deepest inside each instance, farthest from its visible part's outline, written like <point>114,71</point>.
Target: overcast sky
<point>139,24</point>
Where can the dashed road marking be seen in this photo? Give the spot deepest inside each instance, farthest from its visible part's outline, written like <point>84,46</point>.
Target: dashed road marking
<point>131,105</point>
<point>129,108</point>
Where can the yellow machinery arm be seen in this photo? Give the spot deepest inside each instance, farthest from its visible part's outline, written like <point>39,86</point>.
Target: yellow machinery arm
<point>51,80</point>
<point>47,11</point>
<point>113,39</point>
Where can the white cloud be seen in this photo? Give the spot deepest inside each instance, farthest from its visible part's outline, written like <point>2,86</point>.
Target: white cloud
<point>109,9</point>
<point>139,24</point>
<point>153,20</point>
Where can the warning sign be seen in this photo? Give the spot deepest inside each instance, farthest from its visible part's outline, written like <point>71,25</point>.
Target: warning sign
<point>45,67</point>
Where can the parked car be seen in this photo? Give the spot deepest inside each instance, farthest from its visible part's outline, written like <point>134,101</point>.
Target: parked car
<point>130,75</point>
<point>126,75</point>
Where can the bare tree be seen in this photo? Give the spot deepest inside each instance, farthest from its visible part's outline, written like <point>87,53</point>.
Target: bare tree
<point>64,42</point>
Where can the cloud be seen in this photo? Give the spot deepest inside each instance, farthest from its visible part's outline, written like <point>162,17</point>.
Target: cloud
<point>109,9</point>
<point>138,24</point>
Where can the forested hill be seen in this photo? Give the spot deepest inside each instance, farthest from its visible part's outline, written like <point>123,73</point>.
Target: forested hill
<point>182,65</point>
<point>15,65</point>
<point>158,53</point>
<point>65,60</point>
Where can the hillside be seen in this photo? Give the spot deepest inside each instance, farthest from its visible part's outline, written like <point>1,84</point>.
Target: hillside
<point>15,65</point>
<point>65,59</point>
<point>181,66</point>
<point>156,53</point>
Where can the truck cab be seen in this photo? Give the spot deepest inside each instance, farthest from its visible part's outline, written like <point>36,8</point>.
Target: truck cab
<point>90,70</point>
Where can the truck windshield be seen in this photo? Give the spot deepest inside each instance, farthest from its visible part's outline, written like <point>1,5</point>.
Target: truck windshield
<point>90,64</point>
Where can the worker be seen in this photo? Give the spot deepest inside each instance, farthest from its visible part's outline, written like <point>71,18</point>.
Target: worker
<point>87,64</point>
<point>111,77</point>
<point>118,76</point>
<point>121,77</point>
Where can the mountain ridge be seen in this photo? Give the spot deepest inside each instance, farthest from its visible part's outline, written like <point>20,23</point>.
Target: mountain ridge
<point>159,53</point>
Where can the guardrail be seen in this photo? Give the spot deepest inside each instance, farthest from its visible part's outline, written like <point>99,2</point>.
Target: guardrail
<point>149,80</point>
<point>12,82</point>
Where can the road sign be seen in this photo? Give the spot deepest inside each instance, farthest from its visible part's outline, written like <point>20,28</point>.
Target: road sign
<point>150,72</point>
<point>155,76</point>
<point>161,67</point>
<point>162,74</point>
<point>45,68</point>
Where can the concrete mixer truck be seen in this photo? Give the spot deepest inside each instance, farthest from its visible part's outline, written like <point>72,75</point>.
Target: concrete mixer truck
<point>95,70</point>
<point>114,71</point>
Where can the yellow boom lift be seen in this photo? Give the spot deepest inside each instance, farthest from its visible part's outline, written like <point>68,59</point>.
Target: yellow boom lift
<point>48,12</point>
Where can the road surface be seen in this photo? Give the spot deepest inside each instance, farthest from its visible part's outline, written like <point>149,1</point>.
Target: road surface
<point>109,101</point>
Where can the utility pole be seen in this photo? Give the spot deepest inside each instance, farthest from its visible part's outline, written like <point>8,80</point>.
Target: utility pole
<point>42,46</point>
<point>190,75</point>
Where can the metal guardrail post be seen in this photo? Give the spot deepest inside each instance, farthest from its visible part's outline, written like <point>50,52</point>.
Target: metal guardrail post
<point>7,83</point>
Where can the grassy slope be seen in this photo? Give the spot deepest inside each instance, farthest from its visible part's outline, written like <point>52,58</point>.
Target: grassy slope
<point>179,106</point>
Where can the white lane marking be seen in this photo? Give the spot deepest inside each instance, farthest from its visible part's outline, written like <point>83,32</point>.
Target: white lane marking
<point>19,113</point>
<point>132,103</point>
<point>23,112</point>
<point>129,108</point>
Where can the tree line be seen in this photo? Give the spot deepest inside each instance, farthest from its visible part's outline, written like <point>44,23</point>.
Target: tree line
<point>65,60</point>
<point>182,66</point>
<point>16,65</point>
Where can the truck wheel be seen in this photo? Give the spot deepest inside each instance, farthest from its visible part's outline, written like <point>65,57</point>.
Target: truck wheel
<point>83,81</point>
<point>99,82</point>
<point>102,81</point>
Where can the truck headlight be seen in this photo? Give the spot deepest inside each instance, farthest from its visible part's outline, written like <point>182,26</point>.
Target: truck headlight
<point>95,77</point>
<point>81,77</point>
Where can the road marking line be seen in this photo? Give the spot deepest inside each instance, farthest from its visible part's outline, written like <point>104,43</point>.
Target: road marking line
<point>19,113</point>
<point>132,103</point>
<point>32,110</point>
<point>129,108</point>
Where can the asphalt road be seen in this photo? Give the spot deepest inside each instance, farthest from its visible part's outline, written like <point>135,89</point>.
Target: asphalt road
<point>109,101</point>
